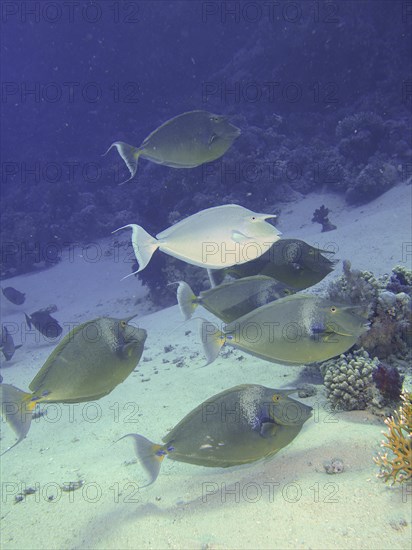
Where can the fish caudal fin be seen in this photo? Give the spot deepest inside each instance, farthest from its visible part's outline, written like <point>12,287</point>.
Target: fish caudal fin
<point>16,409</point>
<point>129,154</point>
<point>186,300</point>
<point>150,455</point>
<point>212,340</point>
<point>144,245</point>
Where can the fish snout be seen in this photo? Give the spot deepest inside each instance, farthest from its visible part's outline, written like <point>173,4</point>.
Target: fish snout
<point>139,335</point>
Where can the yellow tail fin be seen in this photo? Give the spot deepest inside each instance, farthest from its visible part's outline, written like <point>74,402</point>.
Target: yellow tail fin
<point>16,408</point>
<point>212,340</point>
<point>186,300</point>
<point>150,454</point>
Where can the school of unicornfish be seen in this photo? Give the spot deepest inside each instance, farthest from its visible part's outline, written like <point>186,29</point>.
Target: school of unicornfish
<point>257,279</point>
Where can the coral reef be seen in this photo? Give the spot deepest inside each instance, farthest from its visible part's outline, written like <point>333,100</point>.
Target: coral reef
<point>396,466</point>
<point>299,148</point>
<point>355,381</point>
<point>320,215</point>
<point>348,380</point>
<point>374,179</point>
<point>353,286</point>
<point>359,135</point>
<point>388,380</point>
<point>400,280</point>
<point>387,302</point>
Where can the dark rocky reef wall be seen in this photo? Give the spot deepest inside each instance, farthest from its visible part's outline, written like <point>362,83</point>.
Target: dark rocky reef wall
<point>322,93</point>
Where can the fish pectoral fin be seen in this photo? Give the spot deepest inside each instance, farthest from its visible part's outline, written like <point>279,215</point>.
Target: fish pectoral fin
<point>129,154</point>
<point>186,300</point>
<point>212,339</point>
<point>268,429</point>
<point>239,237</point>
<point>150,455</point>
<point>16,408</point>
<point>127,350</point>
<point>333,330</point>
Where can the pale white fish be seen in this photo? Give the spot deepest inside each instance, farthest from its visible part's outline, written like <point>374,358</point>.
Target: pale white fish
<point>217,237</point>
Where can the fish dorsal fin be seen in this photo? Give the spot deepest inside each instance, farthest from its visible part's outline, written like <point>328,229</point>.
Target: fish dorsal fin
<point>216,276</point>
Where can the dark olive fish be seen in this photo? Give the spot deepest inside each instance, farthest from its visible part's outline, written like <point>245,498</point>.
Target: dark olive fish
<point>7,344</point>
<point>290,261</point>
<point>185,141</point>
<point>87,364</point>
<point>14,296</point>
<point>44,323</point>
<point>237,426</point>
<point>231,300</point>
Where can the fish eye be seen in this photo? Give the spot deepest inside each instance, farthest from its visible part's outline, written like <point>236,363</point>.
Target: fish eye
<point>333,309</point>
<point>275,398</point>
<point>123,324</point>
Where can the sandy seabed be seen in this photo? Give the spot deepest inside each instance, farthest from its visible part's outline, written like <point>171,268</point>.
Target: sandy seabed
<point>287,501</point>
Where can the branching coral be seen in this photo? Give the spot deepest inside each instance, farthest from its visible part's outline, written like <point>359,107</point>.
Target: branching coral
<point>397,467</point>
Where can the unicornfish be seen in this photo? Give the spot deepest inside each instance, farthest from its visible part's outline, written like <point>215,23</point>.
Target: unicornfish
<point>233,299</point>
<point>297,329</point>
<point>212,238</point>
<point>237,426</point>
<point>87,364</point>
<point>185,141</point>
